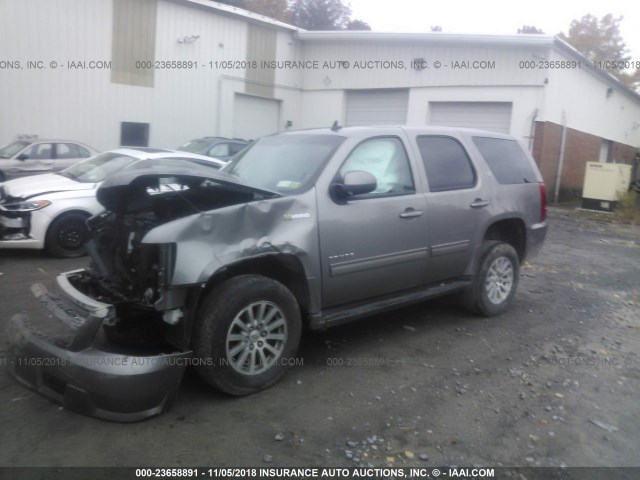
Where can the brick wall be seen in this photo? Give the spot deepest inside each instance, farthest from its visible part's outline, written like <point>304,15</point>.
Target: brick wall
<point>580,148</point>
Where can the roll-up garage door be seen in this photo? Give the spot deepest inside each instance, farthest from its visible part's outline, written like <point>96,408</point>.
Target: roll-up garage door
<point>255,117</point>
<point>377,107</point>
<point>492,116</point>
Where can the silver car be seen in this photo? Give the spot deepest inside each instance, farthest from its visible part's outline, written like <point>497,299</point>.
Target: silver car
<point>29,157</point>
<point>302,229</point>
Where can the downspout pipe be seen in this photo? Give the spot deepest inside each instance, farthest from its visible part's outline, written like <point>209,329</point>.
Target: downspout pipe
<point>532,131</point>
<point>563,141</point>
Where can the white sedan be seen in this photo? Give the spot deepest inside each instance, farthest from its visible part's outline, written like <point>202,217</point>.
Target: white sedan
<point>49,211</point>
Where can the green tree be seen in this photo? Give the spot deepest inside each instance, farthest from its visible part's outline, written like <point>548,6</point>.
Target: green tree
<point>278,9</point>
<point>598,40</point>
<point>320,14</point>
<point>530,29</point>
<point>358,25</point>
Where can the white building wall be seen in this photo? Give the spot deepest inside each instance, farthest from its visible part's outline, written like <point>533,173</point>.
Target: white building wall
<point>584,100</point>
<point>184,104</point>
<point>320,108</point>
<point>57,102</point>
<point>494,65</point>
<point>86,106</point>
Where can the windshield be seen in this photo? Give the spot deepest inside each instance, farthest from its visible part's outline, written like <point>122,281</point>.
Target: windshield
<point>11,149</point>
<point>286,164</point>
<point>96,169</point>
<point>195,146</point>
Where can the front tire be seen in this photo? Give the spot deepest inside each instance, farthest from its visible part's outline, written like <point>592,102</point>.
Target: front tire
<point>496,280</point>
<point>67,235</point>
<point>248,332</point>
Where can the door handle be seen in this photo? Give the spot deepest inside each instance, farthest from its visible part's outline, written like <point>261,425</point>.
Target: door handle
<point>411,213</point>
<point>479,203</point>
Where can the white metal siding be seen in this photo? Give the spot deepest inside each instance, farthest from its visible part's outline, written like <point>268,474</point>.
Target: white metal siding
<point>377,107</point>
<point>493,116</point>
<point>254,117</point>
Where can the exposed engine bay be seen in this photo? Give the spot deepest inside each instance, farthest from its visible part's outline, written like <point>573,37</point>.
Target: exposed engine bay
<point>123,268</point>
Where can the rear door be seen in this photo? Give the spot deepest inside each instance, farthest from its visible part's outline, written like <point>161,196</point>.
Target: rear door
<point>456,205</point>
<point>66,154</point>
<point>373,244</point>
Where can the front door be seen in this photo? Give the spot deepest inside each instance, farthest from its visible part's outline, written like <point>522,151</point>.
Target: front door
<point>374,244</point>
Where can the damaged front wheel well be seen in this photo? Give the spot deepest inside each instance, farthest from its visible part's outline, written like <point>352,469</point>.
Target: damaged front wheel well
<point>286,269</point>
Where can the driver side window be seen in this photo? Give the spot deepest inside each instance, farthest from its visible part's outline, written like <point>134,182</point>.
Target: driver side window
<point>384,158</point>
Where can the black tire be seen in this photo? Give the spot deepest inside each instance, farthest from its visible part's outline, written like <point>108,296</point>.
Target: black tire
<point>496,280</point>
<point>3,177</point>
<point>67,235</point>
<point>242,358</point>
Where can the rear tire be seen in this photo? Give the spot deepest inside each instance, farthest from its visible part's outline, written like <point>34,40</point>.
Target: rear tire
<point>67,235</point>
<point>496,279</point>
<point>248,331</point>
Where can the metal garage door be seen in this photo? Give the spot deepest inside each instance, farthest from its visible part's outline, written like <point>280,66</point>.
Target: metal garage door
<point>493,116</point>
<point>377,107</point>
<point>254,117</point>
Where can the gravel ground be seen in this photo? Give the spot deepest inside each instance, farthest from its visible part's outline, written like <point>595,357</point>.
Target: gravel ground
<point>553,382</point>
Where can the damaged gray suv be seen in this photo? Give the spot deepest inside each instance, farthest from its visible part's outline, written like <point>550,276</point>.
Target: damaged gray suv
<point>221,270</point>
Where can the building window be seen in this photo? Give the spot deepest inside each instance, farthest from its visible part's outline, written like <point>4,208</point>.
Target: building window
<point>134,134</point>
<point>605,151</point>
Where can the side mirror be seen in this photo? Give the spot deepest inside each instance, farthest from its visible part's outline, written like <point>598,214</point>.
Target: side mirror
<point>355,182</point>
<point>22,157</point>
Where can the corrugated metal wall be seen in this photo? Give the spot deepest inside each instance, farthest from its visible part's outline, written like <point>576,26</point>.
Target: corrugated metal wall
<point>133,39</point>
<point>261,45</point>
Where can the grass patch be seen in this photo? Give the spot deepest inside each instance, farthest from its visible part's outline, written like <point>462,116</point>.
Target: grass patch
<point>628,209</point>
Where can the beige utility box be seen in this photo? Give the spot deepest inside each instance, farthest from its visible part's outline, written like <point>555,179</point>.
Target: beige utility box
<point>604,184</point>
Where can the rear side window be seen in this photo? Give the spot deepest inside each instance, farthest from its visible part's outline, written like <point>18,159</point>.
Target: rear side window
<point>66,150</point>
<point>506,160</point>
<point>447,164</point>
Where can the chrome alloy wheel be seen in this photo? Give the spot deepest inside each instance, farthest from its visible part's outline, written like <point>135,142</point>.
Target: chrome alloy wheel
<point>499,280</point>
<point>256,338</point>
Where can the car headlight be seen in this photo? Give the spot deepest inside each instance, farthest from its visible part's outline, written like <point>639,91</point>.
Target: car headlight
<point>27,206</point>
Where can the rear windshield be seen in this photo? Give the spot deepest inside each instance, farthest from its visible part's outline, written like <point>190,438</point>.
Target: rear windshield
<point>506,160</point>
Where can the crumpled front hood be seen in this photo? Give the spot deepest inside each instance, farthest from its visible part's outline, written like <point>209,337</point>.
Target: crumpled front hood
<point>117,191</point>
<point>36,185</point>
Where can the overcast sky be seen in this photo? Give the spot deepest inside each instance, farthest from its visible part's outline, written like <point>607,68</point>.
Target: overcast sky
<point>494,16</point>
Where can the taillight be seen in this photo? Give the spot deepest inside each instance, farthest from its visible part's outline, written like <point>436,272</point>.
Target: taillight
<point>543,203</point>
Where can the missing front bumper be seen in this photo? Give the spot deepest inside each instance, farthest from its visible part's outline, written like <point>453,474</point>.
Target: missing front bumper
<point>65,364</point>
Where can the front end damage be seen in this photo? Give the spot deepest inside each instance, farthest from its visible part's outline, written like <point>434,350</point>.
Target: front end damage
<point>67,357</point>
<point>115,341</point>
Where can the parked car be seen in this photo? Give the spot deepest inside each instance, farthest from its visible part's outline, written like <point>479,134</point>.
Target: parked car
<point>302,229</point>
<point>50,210</point>
<point>216,147</point>
<point>29,157</point>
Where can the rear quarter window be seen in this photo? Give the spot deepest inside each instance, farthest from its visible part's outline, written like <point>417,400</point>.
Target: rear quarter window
<point>506,160</point>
